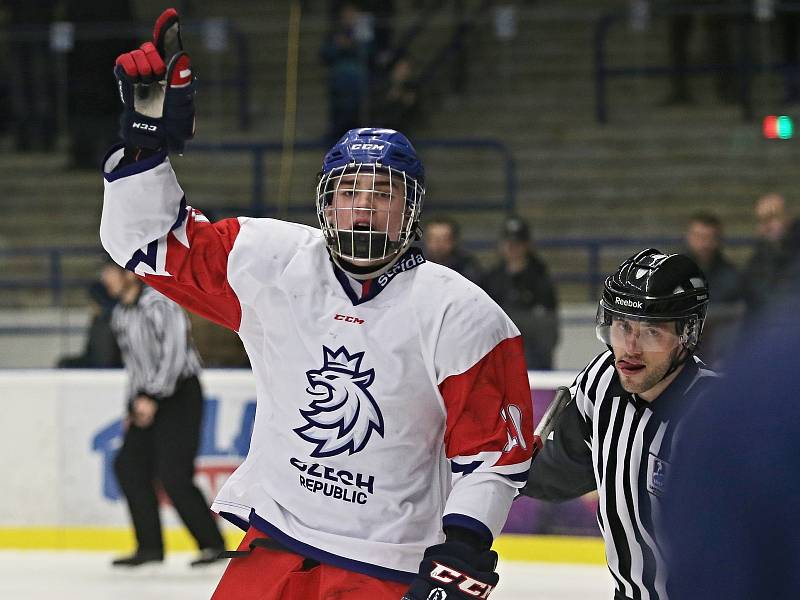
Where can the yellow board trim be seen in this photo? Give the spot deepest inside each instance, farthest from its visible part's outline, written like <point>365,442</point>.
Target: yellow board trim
<point>551,548</point>
<point>97,538</point>
<point>537,548</point>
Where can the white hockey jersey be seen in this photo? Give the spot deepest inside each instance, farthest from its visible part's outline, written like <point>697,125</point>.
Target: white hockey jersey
<point>385,409</point>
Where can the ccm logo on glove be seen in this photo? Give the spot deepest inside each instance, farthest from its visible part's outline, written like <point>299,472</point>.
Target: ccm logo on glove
<point>466,584</point>
<point>145,126</point>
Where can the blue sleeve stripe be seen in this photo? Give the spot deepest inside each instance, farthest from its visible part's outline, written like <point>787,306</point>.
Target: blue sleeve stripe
<point>517,477</point>
<point>469,523</point>
<point>149,257</point>
<point>236,520</point>
<point>181,215</point>
<point>140,166</point>
<point>465,469</point>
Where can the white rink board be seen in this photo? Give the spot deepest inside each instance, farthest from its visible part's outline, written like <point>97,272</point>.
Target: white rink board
<point>58,437</point>
<point>57,440</point>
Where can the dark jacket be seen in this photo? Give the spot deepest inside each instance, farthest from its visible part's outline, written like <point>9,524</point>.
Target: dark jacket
<point>724,281</point>
<point>766,273</point>
<point>529,298</point>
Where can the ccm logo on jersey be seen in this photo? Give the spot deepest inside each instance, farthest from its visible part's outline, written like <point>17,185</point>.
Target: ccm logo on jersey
<point>628,303</point>
<point>348,319</point>
<point>144,126</point>
<point>367,146</point>
<point>466,584</point>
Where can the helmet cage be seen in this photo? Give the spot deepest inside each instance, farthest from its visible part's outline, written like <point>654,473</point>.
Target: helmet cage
<point>373,244</point>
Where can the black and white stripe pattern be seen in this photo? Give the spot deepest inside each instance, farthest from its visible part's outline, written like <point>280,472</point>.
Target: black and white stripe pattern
<point>154,336</point>
<point>630,442</point>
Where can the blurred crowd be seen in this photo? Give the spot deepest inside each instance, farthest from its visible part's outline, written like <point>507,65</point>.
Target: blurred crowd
<point>372,79</point>
<point>53,45</point>
<point>371,73</point>
<point>724,46</point>
<point>89,107</point>
<point>519,280</point>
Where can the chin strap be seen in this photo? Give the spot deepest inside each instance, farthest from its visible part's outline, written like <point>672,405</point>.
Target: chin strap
<point>678,360</point>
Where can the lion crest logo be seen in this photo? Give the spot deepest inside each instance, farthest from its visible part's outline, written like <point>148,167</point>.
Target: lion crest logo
<point>343,414</point>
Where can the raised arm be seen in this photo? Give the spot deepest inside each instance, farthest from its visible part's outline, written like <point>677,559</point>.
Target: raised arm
<point>147,226</point>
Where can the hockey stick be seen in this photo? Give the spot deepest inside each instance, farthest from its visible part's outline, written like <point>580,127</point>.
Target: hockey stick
<point>550,417</point>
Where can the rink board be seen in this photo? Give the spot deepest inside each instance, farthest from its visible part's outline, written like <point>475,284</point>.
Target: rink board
<point>61,429</point>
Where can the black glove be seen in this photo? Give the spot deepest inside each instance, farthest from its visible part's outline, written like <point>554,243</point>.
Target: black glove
<point>456,571</point>
<point>157,88</point>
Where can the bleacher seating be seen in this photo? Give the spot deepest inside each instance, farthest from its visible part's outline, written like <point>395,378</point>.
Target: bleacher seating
<point>642,174</point>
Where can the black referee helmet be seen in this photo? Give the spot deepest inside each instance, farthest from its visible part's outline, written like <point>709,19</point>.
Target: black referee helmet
<point>653,286</point>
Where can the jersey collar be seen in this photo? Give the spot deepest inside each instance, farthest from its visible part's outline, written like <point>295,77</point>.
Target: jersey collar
<point>411,259</point>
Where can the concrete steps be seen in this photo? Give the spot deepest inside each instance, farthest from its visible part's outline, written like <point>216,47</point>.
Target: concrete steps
<point>642,174</point>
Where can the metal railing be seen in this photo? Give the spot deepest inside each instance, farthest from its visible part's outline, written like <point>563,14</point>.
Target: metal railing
<point>591,274</point>
<point>258,205</point>
<point>745,66</point>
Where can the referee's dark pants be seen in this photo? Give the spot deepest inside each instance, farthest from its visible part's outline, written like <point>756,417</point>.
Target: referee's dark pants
<point>165,452</point>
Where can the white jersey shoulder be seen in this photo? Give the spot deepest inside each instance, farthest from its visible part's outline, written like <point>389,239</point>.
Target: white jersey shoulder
<point>466,322</point>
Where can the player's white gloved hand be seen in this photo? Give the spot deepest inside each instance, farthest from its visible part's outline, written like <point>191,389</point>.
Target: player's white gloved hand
<point>157,88</point>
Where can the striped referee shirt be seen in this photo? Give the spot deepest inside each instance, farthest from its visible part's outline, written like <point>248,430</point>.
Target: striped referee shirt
<point>619,444</point>
<point>154,336</point>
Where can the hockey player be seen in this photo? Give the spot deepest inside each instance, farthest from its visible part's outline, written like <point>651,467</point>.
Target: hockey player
<point>394,422</point>
<point>616,435</point>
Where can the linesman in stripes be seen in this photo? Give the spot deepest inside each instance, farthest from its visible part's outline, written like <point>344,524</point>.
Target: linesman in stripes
<point>162,432</point>
<point>628,404</point>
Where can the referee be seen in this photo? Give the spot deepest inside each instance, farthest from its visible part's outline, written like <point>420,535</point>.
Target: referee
<point>618,433</point>
<point>162,429</point>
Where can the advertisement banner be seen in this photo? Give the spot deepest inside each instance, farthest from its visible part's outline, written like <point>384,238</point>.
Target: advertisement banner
<point>62,429</point>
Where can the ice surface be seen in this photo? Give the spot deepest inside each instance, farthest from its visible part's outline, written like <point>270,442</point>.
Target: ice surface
<point>35,575</point>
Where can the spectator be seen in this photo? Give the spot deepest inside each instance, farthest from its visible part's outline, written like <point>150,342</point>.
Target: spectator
<point>790,29</point>
<point>93,106</point>
<point>441,240</point>
<point>720,29</point>
<point>162,429</point>
<point>521,285</point>
<point>33,102</point>
<point>348,53</point>
<point>777,247</point>
<point>704,246</point>
<point>399,105</point>
<point>381,15</point>
<point>731,521</point>
<point>101,350</point>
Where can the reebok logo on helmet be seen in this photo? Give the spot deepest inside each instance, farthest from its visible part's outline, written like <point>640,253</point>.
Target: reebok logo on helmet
<point>628,303</point>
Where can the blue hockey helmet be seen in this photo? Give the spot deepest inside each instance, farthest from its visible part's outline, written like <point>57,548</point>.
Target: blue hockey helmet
<point>386,147</point>
<point>377,165</point>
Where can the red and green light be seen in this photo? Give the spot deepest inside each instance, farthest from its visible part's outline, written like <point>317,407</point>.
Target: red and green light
<point>778,127</point>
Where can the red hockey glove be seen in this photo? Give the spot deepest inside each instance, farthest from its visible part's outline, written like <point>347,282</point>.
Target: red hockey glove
<point>157,87</point>
<point>456,571</point>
